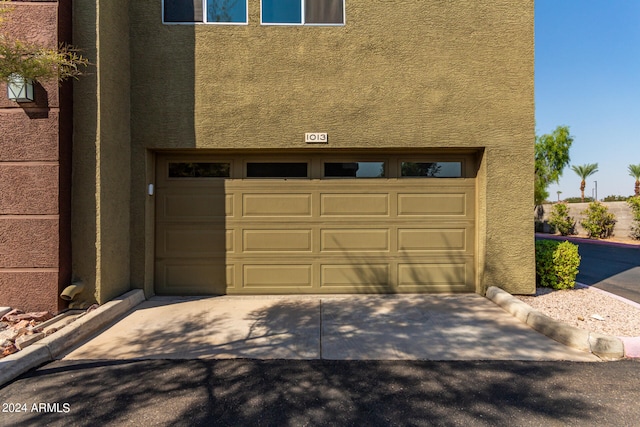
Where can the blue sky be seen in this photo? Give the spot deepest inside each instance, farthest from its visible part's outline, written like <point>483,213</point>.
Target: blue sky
<point>588,78</point>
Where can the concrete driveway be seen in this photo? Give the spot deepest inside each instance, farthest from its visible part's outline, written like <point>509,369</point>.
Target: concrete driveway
<point>415,327</point>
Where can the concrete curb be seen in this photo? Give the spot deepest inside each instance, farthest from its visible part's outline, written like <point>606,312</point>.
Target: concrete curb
<point>606,347</point>
<point>601,242</point>
<point>51,347</point>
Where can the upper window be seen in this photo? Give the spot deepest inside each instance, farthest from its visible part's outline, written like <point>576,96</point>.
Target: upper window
<point>302,12</point>
<point>208,11</point>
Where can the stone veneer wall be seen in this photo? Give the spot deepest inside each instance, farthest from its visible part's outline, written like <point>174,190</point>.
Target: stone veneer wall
<point>35,143</point>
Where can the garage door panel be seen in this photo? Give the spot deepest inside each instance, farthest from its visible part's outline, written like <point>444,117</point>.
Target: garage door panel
<point>354,204</point>
<point>433,239</point>
<point>276,205</point>
<point>277,275</point>
<point>197,206</point>
<point>194,241</point>
<point>193,277</point>
<point>354,276</point>
<point>277,240</point>
<point>432,204</point>
<point>432,274</point>
<point>346,240</point>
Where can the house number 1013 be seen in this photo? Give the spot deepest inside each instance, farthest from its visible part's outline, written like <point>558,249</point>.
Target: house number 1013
<point>316,138</point>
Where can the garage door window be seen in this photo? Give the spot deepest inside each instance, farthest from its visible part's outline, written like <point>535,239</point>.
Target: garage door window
<point>277,170</point>
<point>431,170</point>
<point>199,170</point>
<point>354,170</point>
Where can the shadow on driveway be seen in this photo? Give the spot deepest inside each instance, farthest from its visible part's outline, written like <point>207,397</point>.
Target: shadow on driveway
<point>420,327</point>
<point>320,392</point>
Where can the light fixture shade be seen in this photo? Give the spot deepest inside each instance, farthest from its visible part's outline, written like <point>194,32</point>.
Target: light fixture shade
<point>20,89</point>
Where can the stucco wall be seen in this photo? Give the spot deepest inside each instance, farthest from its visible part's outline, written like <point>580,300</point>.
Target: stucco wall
<point>398,74</point>
<point>34,173</point>
<point>409,74</point>
<point>101,199</point>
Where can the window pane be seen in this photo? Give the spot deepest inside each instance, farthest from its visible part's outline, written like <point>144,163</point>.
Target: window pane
<point>324,11</point>
<point>199,170</point>
<point>276,170</point>
<point>282,11</point>
<point>226,10</point>
<point>432,170</point>
<point>354,170</point>
<point>182,10</point>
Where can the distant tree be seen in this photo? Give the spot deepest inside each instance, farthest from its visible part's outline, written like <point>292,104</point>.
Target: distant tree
<point>634,171</point>
<point>420,169</point>
<point>551,157</point>
<point>578,200</point>
<point>584,172</point>
<point>614,198</point>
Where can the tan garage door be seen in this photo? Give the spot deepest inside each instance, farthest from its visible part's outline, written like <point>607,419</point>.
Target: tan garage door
<point>314,224</point>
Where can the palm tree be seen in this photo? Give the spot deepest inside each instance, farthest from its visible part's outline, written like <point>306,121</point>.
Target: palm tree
<point>634,171</point>
<point>584,171</point>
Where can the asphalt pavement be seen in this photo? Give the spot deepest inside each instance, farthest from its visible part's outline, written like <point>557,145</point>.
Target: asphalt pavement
<point>324,393</point>
<point>610,266</point>
<point>615,269</point>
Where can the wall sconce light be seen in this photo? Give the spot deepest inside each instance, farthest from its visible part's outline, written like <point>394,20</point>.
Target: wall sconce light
<point>20,89</point>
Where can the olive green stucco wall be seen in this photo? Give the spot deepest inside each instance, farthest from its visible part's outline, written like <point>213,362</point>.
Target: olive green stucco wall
<point>101,153</point>
<point>411,74</point>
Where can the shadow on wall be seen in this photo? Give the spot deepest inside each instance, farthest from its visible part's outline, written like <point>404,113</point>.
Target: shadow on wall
<point>163,96</point>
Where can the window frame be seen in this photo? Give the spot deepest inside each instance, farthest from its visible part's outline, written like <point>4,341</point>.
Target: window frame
<point>302,22</point>
<point>204,17</point>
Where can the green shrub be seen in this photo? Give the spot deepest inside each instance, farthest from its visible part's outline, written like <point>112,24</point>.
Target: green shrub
<point>615,199</point>
<point>556,264</point>
<point>561,221</point>
<point>599,223</point>
<point>634,203</point>
<point>578,200</point>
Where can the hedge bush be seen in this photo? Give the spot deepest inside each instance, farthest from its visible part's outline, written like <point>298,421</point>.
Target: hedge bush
<point>578,200</point>
<point>561,221</point>
<point>599,222</point>
<point>556,264</point>
<point>634,203</point>
<point>615,199</point>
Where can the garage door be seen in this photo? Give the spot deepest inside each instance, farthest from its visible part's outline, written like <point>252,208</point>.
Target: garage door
<point>314,224</point>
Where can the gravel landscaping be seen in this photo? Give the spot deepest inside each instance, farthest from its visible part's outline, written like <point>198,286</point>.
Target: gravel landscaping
<point>588,309</point>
